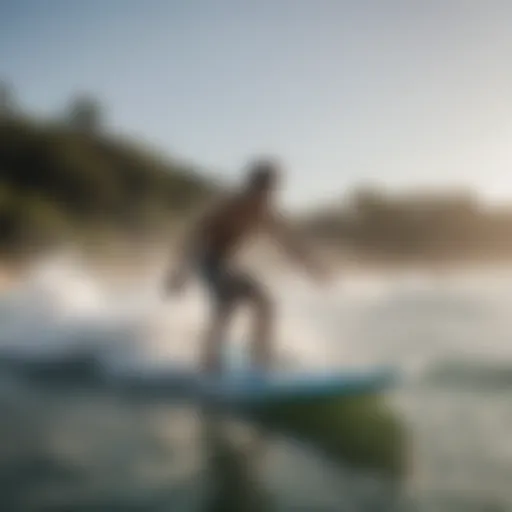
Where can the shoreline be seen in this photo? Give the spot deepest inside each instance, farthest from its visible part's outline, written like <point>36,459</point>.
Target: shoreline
<point>268,263</point>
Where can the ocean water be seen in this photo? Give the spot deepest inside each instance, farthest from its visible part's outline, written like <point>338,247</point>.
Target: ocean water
<point>69,447</point>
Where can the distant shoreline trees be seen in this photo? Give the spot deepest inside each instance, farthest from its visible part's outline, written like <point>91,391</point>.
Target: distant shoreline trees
<point>66,176</point>
<point>424,226</point>
<point>70,172</point>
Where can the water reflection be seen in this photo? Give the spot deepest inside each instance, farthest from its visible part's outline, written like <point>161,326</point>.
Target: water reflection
<point>233,469</point>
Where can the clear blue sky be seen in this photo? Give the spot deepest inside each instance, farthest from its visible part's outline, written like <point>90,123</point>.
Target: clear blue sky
<point>402,92</point>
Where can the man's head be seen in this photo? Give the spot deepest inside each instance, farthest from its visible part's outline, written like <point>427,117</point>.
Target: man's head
<point>263,177</point>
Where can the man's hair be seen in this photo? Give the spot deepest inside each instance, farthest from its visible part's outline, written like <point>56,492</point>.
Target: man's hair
<point>262,174</point>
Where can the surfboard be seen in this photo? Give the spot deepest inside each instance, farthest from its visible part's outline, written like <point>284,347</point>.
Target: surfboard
<point>240,386</point>
<point>247,390</point>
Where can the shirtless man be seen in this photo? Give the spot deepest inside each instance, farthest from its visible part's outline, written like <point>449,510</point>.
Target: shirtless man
<point>210,247</point>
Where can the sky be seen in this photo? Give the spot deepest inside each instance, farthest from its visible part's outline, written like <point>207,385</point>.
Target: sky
<point>405,93</point>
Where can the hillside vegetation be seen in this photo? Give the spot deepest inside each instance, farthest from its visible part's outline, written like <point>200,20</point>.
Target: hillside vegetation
<point>68,178</point>
<point>437,226</point>
<point>57,182</point>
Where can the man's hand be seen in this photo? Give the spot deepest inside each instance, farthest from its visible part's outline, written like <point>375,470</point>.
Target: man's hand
<point>298,250</point>
<point>175,283</point>
<point>321,274</point>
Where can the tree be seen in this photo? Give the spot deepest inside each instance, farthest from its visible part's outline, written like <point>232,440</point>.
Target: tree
<point>7,102</point>
<point>85,114</point>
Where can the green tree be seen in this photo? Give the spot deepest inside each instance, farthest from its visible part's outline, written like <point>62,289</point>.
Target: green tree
<point>7,100</point>
<point>85,114</point>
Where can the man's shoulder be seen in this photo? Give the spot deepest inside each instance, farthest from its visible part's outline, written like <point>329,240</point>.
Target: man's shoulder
<point>222,203</point>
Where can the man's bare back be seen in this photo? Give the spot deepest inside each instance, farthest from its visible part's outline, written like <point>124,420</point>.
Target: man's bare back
<point>215,239</point>
<point>229,225</point>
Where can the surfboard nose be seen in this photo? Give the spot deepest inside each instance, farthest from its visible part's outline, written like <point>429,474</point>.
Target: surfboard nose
<point>235,358</point>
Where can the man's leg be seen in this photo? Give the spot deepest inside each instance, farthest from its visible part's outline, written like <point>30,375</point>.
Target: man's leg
<point>261,342</point>
<point>234,288</point>
<point>261,351</point>
<point>212,361</point>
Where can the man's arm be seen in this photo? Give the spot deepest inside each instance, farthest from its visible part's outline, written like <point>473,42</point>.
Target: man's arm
<point>293,244</point>
<point>187,250</point>
<point>178,275</point>
<point>188,247</point>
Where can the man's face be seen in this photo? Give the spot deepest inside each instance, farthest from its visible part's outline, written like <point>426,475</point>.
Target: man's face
<point>267,191</point>
<point>263,182</point>
<point>261,195</point>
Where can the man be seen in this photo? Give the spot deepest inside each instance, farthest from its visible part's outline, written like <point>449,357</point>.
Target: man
<point>210,247</point>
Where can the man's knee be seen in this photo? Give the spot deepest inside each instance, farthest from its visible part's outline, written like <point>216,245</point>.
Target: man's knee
<point>250,291</point>
<point>224,308</point>
<point>262,302</point>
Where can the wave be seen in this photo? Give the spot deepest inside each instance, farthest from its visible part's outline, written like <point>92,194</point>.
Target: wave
<point>469,374</point>
<point>85,370</point>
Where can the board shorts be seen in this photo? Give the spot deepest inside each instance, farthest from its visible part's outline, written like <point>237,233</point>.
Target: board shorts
<point>224,283</point>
